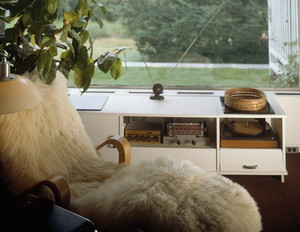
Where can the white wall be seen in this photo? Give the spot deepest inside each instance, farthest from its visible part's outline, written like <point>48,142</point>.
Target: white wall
<point>291,106</point>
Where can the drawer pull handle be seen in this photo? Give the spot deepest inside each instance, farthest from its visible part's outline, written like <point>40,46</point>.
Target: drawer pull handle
<point>250,166</point>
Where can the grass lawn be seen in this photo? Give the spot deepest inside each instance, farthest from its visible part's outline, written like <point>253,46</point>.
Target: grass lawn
<point>195,77</point>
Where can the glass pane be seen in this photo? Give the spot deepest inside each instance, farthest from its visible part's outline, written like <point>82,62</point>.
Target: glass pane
<point>243,43</point>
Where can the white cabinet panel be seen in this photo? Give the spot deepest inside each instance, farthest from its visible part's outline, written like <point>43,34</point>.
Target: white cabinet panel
<point>204,158</point>
<point>251,160</point>
<point>99,127</point>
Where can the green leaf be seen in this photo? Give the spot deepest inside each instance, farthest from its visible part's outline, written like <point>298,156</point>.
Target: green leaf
<point>2,11</point>
<point>116,69</point>
<point>119,50</point>
<point>82,7</point>
<point>52,6</point>
<point>65,54</point>
<point>62,46</point>
<point>27,17</point>
<point>82,78</point>
<point>90,13</point>
<point>50,76</point>
<point>40,10</point>
<point>81,22</point>
<point>98,19</point>
<point>11,33</point>
<point>100,5</point>
<point>88,74</point>
<point>78,77</point>
<point>71,17</point>
<point>65,67</point>
<point>44,64</point>
<point>42,27</point>
<point>42,61</point>
<point>27,46</point>
<point>64,34</point>
<point>75,36</point>
<point>91,46</point>
<point>27,65</point>
<point>36,39</point>
<point>14,50</point>
<point>53,50</point>
<point>71,47</point>
<point>8,5</point>
<point>105,61</point>
<point>47,40</point>
<point>84,36</point>
<point>83,58</point>
<point>46,67</point>
<point>20,6</point>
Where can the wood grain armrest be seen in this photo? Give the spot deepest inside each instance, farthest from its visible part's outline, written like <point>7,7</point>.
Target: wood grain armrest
<point>59,188</point>
<point>123,147</point>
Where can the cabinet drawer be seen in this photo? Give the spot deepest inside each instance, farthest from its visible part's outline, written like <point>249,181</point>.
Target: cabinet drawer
<point>204,158</point>
<point>251,160</point>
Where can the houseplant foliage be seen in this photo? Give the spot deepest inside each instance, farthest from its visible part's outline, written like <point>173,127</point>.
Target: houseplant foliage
<point>34,40</point>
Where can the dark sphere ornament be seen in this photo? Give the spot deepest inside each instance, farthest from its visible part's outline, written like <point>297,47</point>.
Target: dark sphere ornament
<point>157,90</point>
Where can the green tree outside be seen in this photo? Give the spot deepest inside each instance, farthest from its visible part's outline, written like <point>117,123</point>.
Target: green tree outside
<point>165,29</point>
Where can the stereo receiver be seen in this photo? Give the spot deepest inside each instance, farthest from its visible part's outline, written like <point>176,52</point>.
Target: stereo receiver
<point>139,132</point>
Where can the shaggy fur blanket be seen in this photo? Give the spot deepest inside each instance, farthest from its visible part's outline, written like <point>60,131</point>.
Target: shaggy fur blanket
<point>162,195</point>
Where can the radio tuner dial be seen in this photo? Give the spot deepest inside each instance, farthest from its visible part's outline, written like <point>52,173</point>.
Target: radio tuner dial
<point>155,138</point>
<point>137,138</point>
<point>148,138</point>
<point>129,137</point>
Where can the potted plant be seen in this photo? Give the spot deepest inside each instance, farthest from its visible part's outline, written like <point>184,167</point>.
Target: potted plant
<point>34,40</point>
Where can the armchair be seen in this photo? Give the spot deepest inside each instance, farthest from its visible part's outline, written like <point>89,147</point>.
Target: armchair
<point>44,207</point>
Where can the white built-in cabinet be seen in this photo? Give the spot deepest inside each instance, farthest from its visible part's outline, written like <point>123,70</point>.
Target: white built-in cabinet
<point>118,111</point>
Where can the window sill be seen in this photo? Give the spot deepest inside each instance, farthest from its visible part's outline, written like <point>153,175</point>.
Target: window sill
<point>171,92</point>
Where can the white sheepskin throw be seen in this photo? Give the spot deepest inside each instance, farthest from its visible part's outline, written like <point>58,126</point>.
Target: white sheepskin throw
<point>170,195</point>
<point>47,140</point>
<point>162,195</point>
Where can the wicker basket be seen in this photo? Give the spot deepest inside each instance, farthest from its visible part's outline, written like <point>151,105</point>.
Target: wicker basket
<point>245,99</point>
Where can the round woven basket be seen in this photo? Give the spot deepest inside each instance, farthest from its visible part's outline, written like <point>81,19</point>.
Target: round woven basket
<point>245,99</point>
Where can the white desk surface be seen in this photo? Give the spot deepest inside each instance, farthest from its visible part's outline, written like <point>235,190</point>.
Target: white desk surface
<point>174,106</point>
<point>171,105</point>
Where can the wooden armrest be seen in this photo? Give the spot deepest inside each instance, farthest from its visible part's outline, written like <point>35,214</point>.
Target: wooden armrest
<point>59,188</point>
<point>123,147</point>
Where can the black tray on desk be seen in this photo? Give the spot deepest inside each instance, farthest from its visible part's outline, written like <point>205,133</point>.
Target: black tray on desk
<point>227,110</point>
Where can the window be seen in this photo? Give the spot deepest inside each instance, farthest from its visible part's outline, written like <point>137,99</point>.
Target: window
<point>247,43</point>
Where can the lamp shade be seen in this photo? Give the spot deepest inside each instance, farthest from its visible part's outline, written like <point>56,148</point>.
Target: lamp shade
<point>17,93</point>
